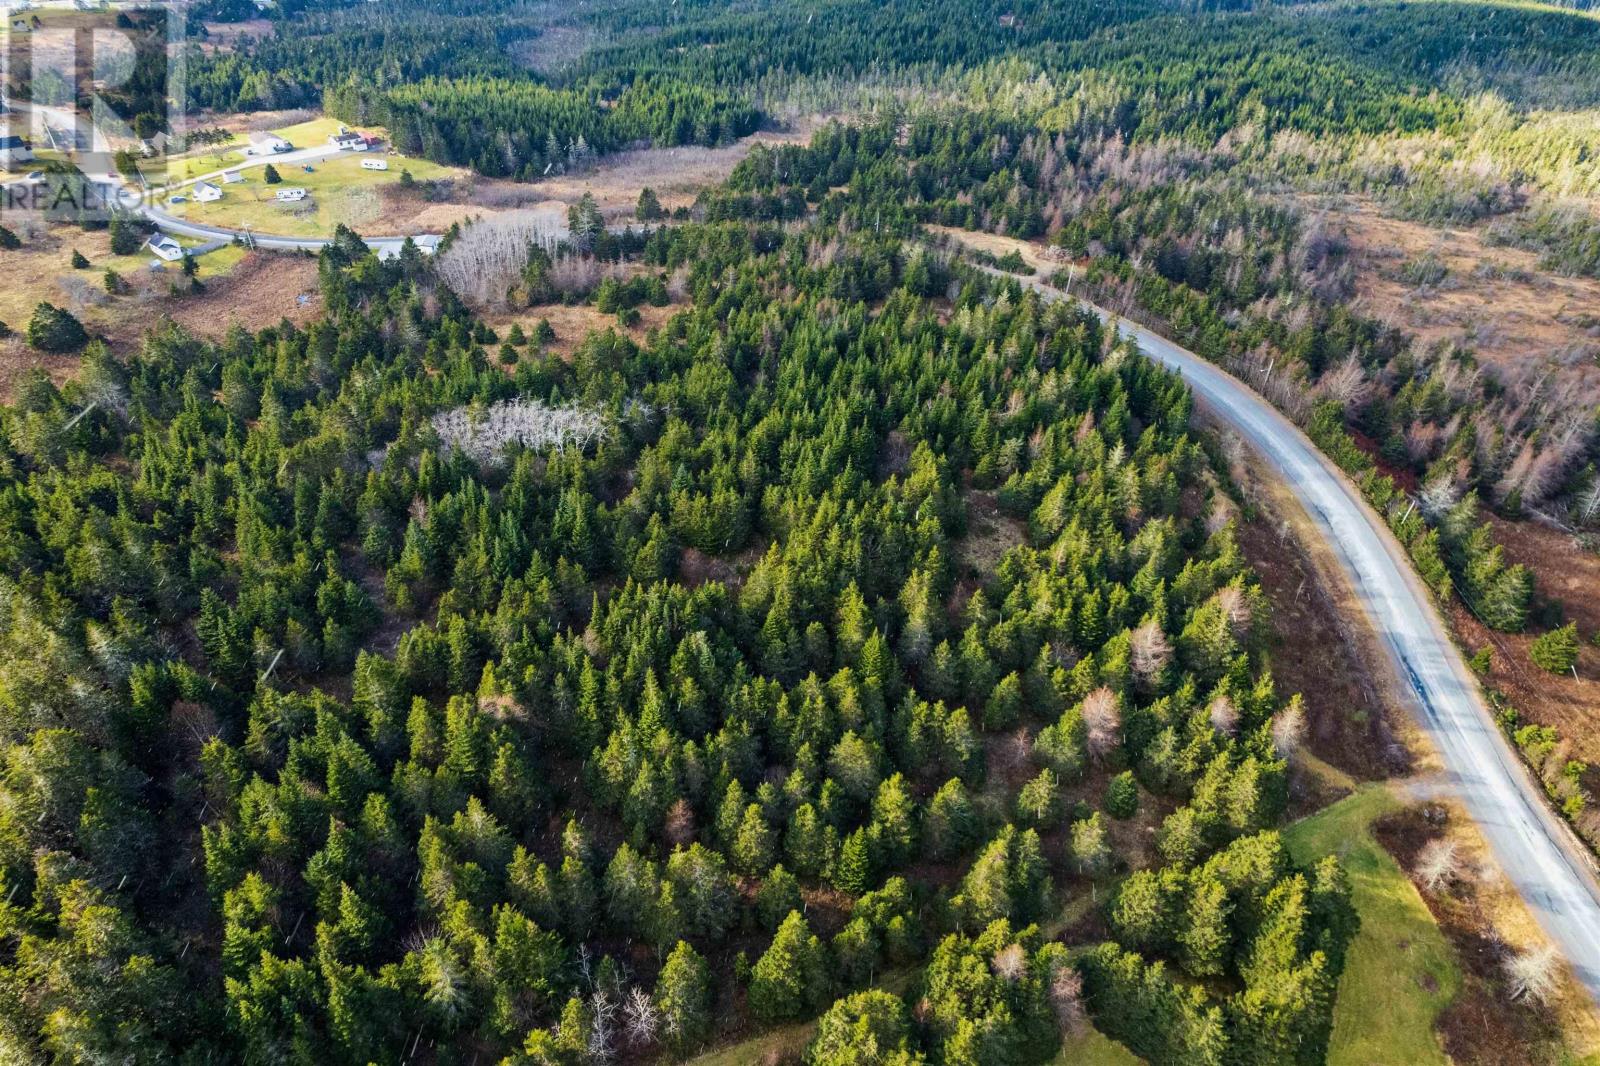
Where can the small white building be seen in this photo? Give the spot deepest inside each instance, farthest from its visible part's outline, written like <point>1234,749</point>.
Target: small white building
<point>348,140</point>
<point>231,177</point>
<point>291,196</point>
<point>263,143</point>
<point>206,193</point>
<point>374,164</point>
<point>165,247</point>
<point>14,152</point>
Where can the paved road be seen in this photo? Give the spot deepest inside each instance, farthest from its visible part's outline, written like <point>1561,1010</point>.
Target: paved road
<point>384,246</point>
<point>1537,851</point>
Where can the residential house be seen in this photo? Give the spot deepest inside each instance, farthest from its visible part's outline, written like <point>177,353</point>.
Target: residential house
<point>14,152</point>
<point>263,143</point>
<point>165,248</point>
<point>348,141</point>
<point>206,193</point>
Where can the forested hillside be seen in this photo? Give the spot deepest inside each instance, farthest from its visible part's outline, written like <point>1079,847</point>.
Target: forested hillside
<point>335,726</point>
<point>866,645</point>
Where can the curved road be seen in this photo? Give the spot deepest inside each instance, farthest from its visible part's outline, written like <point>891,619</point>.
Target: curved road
<point>1538,853</point>
<point>384,246</point>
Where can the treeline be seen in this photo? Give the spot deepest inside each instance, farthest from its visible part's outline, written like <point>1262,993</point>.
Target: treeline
<point>517,128</point>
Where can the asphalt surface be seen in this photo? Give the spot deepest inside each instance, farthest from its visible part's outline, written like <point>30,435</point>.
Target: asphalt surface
<point>1539,854</point>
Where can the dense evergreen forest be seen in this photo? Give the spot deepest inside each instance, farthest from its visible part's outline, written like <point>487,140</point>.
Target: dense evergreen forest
<point>387,690</point>
<point>360,694</point>
<point>1130,134</point>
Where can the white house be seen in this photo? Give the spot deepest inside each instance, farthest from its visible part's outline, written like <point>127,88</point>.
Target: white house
<point>165,247</point>
<point>374,164</point>
<point>206,193</point>
<point>291,196</point>
<point>348,140</point>
<point>21,26</point>
<point>262,143</point>
<point>14,151</point>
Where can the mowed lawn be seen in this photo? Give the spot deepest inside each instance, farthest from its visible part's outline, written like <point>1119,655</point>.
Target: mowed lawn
<point>339,191</point>
<point>202,161</point>
<point>1401,971</point>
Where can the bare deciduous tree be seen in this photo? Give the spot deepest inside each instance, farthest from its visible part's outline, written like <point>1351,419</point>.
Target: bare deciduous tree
<point>1235,608</point>
<point>1289,728</point>
<point>602,1026</point>
<point>1224,715</point>
<point>1149,652</point>
<point>484,434</point>
<point>1010,963</point>
<point>680,823</point>
<point>1066,999</point>
<point>488,256</point>
<point>640,1018</point>
<point>1102,721</point>
<point>1347,383</point>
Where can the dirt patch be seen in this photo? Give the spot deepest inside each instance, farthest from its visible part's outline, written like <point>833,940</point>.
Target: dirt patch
<point>990,534</point>
<point>257,290</point>
<point>401,211</point>
<point>573,323</point>
<point>262,291</point>
<point>1045,261</point>
<point>1482,1026</point>
<point>1568,572</point>
<point>676,174</point>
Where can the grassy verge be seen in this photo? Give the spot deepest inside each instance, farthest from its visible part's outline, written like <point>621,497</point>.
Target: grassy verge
<point>1401,971</point>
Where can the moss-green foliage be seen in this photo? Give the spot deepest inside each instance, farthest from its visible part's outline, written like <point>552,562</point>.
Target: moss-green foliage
<point>54,329</point>
<point>1557,650</point>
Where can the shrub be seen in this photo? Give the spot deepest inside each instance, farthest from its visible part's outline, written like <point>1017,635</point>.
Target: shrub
<point>126,237</point>
<point>649,206</point>
<point>9,240</point>
<point>270,175</point>
<point>1557,650</point>
<point>53,330</point>
<point>1122,796</point>
<point>79,261</point>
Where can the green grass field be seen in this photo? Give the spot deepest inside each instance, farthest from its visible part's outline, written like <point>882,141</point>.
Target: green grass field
<point>1401,971</point>
<point>340,191</point>
<point>202,161</point>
